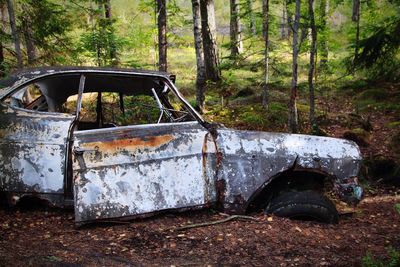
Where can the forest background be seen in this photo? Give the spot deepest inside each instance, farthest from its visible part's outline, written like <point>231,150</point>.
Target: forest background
<point>353,44</point>
<point>323,67</point>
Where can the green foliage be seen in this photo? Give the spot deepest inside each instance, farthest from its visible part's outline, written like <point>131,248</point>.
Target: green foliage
<point>394,259</point>
<point>395,141</point>
<point>77,32</point>
<point>139,110</point>
<point>397,207</point>
<point>53,258</point>
<point>394,124</point>
<point>100,41</point>
<point>49,23</point>
<point>253,118</point>
<point>380,40</point>
<point>375,93</point>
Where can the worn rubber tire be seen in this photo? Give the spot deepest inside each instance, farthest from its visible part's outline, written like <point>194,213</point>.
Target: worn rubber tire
<point>308,205</point>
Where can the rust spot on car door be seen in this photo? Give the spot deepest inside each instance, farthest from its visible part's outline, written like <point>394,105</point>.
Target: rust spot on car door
<point>131,143</point>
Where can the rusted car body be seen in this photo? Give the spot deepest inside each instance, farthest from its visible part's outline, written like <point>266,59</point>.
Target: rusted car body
<point>173,161</point>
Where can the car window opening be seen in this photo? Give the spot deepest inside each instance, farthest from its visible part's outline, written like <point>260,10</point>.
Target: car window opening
<point>107,100</point>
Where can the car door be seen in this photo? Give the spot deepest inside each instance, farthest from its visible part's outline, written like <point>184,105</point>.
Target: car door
<point>131,170</point>
<point>33,149</point>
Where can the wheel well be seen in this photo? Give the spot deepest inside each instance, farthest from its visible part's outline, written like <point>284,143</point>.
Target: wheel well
<point>32,202</point>
<point>289,180</point>
<point>24,201</point>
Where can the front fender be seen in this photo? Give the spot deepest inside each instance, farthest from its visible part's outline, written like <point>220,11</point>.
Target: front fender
<point>250,159</point>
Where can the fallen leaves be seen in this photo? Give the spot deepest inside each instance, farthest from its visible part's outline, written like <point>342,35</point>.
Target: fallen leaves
<point>283,242</point>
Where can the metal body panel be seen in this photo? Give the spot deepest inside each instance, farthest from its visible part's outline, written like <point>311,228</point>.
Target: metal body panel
<point>33,148</point>
<point>250,159</point>
<point>133,170</point>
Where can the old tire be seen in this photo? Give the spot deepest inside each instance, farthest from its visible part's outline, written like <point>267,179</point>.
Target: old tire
<point>304,205</point>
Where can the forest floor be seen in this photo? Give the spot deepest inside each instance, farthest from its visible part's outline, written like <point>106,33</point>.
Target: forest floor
<point>49,237</point>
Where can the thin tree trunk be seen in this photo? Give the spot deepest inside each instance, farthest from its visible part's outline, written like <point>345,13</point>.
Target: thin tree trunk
<point>303,35</point>
<point>113,47</point>
<point>293,117</point>
<point>2,69</point>
<point>356,10</point>
<point>356,18</point>
<point>26,25</point>
<point>313,49</point>
<point>289,17</point>
<point>93,16</point>
<point>324,54</point>
<point>252,26</point>
<point>208,29</point>
<point>265,96</point>
<point>283,23</point>
<point>107,9</point>
<point>235,30</point>
<point>30,46</point>
<point>28,37</point>
<point>2,26</point>
<point>14,33</point>
<point>198,44</point>
<point>162,34</point>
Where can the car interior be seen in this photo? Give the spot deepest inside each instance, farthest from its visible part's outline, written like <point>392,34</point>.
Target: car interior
<point>108,100</point>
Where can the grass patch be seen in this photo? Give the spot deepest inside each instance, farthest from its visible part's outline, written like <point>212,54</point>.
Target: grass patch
<point>250,116</point>
<point>393,124</point>
<point>397,207</point>
<point>393,261</point>
<point>376,94</point>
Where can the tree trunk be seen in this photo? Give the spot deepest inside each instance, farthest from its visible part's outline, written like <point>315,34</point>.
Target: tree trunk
<point>293,118</point>
<point>14,33</point>
<point>289,20</point>
<point>198,44</point>
<point>162,34</point>
<point>250,13</point>
<point>356,18</point>
<point>29,44</point>
<point>283,23</point>
<point>107,9</point>
<point>265,96</point>
<point>313,49</point>
<point>235,30</point>
<point>208,29</point>
<point>2,26</point>
<point>324,4</point>
<point>113,47</point>
<point>356,10</point>
<point>303,34</point>
<point>26,25</point>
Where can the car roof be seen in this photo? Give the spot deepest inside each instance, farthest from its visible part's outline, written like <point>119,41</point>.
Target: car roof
<point>23,76</point>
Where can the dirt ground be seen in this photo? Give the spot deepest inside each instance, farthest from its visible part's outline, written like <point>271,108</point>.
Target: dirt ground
<point>50,238</point>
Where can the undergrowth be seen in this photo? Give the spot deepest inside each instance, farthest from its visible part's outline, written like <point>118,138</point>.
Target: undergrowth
<point>393,261</point>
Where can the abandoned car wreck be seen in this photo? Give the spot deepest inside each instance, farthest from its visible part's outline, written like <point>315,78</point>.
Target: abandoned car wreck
<point>116,143</point>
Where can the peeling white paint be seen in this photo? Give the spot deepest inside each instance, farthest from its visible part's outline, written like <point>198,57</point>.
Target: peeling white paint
<point>169,176</point>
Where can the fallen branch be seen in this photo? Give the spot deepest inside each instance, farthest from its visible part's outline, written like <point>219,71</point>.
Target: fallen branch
<point>230,218</point>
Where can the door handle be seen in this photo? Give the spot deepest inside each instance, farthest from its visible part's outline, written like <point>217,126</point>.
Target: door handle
<point>81,150</point>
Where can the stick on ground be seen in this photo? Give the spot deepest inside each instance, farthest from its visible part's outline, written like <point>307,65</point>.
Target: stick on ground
<point>230,218</point>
